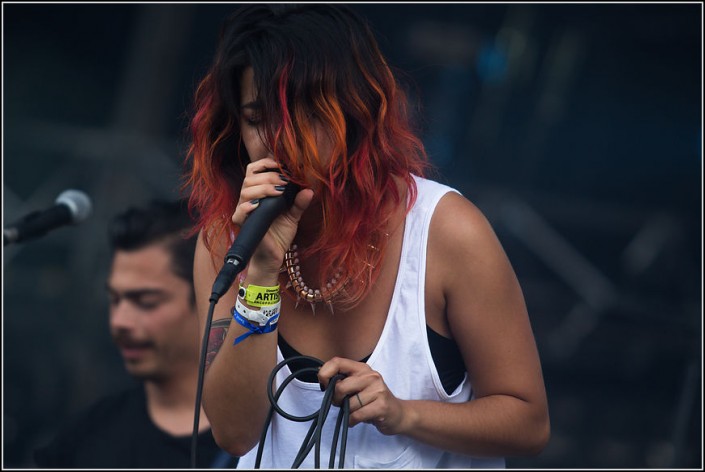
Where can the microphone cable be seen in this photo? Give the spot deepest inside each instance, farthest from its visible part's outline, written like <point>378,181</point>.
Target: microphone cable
<point>199,385</point>
<point>317,418</point>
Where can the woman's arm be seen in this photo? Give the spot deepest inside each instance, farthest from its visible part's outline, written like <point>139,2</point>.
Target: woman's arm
<point>234,395</point>
<point>234,391</point>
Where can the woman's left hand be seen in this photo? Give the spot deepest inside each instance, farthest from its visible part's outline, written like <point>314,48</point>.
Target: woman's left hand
<point>371,401</point>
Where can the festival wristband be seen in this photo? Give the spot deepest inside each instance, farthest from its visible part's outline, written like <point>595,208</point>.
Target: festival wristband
<point>261,316</point>
<point>256,295</point>
<point>270,326</point>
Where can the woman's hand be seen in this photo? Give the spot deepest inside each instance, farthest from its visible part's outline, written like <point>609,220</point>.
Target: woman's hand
<point>262,179</point>
<point>371,401</point>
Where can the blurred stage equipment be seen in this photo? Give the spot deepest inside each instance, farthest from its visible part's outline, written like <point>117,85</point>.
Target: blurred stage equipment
<point>71,207</point>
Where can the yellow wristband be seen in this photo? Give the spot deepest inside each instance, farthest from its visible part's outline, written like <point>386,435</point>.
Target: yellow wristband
<point>255,295</point>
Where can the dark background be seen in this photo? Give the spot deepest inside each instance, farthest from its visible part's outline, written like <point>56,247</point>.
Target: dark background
<point>576,128</point>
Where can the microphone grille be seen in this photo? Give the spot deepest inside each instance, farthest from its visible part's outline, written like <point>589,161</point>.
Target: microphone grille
<point>78,202</point>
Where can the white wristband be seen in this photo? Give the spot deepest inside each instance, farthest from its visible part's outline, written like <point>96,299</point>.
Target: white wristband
<point>260,316</point>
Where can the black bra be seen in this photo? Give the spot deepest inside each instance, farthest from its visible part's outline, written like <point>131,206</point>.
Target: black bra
<point>445,353</point>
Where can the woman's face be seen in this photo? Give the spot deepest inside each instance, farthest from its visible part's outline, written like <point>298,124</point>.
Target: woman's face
<point>250,119</point>
<point>251,126</point>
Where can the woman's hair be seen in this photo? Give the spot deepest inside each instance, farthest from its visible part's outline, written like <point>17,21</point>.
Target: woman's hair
<point>312,63</point>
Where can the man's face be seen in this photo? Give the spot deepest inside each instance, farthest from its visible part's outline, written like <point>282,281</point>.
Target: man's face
<point>152,319</point>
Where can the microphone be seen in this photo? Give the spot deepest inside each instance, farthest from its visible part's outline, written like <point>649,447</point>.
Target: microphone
<point>71,207</point>
<point>251,233</point>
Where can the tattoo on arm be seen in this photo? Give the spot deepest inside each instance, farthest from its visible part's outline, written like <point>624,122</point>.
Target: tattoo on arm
<point>216,337</point>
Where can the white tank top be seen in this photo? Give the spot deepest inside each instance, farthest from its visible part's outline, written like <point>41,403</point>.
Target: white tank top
<point>403,358</point>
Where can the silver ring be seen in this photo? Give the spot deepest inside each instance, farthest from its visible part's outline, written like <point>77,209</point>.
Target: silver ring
<point>357,395</point>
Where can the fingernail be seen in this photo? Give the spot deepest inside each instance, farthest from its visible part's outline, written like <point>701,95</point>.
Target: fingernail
<point>322,388</point>
<point>279,187</point>
<point>284,177</point>
<point>255,201</point>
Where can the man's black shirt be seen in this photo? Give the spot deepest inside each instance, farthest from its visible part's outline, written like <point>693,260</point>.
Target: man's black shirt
<point>117,432</point>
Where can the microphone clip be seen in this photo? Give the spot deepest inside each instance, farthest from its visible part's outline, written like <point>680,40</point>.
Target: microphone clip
<point>225,278</point>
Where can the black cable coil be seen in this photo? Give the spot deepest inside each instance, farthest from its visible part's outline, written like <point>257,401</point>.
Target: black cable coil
<point>317,418</point>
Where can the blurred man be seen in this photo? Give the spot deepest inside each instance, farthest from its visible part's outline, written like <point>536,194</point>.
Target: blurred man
<point>153,322</point>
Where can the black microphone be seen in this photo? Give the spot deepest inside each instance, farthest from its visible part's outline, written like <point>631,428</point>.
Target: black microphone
<point>251,233</point>
<point>71,207</point>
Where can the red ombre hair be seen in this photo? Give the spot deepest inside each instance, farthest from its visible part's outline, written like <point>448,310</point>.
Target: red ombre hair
<point>314,65</point>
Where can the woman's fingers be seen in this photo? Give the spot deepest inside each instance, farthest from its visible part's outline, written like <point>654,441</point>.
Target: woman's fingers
<point>266,164</point>
<point>301,202</point>
<point>262,180</point>
<point>361,383</point>
<point>340,365</point>
<point>370,399</point>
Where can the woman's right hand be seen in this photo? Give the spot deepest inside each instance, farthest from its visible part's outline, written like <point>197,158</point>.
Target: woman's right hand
<point>263,179</point>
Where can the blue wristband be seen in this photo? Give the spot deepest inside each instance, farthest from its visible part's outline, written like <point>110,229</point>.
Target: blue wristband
<point>267,328</point>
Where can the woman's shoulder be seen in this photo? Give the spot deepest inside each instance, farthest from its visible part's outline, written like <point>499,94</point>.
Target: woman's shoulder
<point>213,241</point>
<point>455,219</point>
<point>463,242</point>
<point>458,221</point>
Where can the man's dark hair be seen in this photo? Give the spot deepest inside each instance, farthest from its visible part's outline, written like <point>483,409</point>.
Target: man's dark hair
<point>160,221</point>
